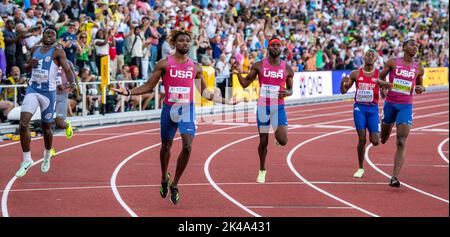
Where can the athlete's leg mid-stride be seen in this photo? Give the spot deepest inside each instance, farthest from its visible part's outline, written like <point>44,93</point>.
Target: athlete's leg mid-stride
<point>406,75</point>
<point>179,74</point>
<point>365,108</point>
<point>44,62</point>
<point>275,79</point>
<point>62,94</point>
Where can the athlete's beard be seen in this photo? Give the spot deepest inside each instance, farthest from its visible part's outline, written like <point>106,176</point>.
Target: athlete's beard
<point>183,51</point>
<point>274,55</point>
<point>51,44</point>
<point>368,69</point>
<point>368,65</point>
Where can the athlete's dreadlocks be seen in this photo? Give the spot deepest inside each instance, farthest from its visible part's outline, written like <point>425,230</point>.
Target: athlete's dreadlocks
<point>175,33</point>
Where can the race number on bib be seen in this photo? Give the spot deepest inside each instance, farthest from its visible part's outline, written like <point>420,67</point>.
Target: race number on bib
<point>39,76</point>
<point>58,78</point>
<point>269,91</point>
<point>179,94</point>
<point>402,86</point>
<point>364,96</point>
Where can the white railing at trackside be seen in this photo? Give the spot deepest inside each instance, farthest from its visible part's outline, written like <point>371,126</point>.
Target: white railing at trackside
<point>83,93</point>
<point>15,91</point>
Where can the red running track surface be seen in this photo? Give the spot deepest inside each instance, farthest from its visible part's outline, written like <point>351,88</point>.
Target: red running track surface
<point>80,180</point>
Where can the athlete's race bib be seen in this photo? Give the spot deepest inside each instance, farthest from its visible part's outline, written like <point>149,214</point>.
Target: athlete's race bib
<point>179,94</point>
<point>58,78</point>
<point>402,86</point>
<point>269,91</point>
<point>364,95</point>
<point>39,76</point>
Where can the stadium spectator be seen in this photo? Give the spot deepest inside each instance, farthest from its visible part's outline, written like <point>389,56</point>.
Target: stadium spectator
<point>69,41</point>
<point>83,52</point>
<point>101,46</point>
<point>316,35</point>
<point>7,8</point>
<point>10,39</point>
<point>137,42</point>
<point>35,35</point>
<point>223,74</point>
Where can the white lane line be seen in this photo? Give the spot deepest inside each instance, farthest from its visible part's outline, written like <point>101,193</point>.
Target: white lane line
<point>331,126</point>
<point>349,105</point>
<point>224,120</point>
<point>108,134</point>
<point>4,204</point>
<point>215,186</point>
<point>350,119</point>
<point>435,166</point>
<point>119,167</point>
<point>230,124</point>
<point>291,166</point>
<point>290,125</point>
<point>12,143</point>
<point>434,130</point>
<point>11,182</point>
<point>441,153</point>
<point>300,207</point>
<point>192,184</point>
<point>432,125</point>
<point>9,185</point>
<point>291,112</point>
<point>83,130</point>
<point>366,156</point>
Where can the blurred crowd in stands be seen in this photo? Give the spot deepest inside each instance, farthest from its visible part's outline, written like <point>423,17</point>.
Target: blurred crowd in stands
<point>315,34</point>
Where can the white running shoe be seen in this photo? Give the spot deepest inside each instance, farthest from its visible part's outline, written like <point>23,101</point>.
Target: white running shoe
<point>24,166</point>
<point>45,166</point>
<point>261,177</point>
<point>277,143</point>
<point>359,173</point>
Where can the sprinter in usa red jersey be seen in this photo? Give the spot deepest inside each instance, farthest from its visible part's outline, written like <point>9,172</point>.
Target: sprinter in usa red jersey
<point>406,75</point>
<point>179,75</point>
<point>275,81</point>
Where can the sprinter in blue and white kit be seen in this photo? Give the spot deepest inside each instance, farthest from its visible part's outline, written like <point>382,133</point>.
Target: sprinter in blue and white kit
<point>45,60</point>
<point>62,94</point>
